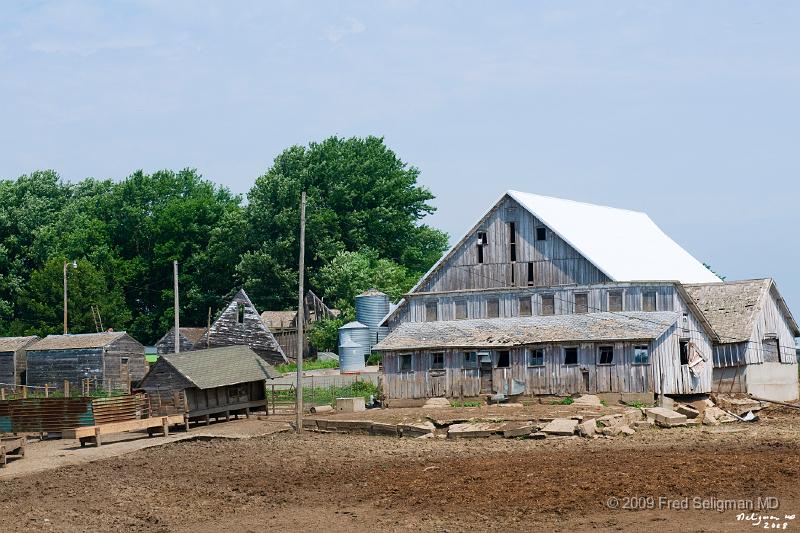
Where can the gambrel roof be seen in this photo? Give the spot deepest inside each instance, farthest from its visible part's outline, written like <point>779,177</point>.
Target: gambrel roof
<point>519,331</point>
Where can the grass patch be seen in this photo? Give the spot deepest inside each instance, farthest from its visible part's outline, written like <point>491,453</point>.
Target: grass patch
<point>307,365</point>
<point>563,401</point>
<point>604,403</point>
<point>466,404</point>
<point>638,404</point>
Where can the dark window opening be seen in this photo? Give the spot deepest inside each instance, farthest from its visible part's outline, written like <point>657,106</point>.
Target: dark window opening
<point>493,308</point>
<point>548,304</point>
<point>503,359</point>
<point>606,355</point>
<point>571,356</point>
<point>684,348</point>
<point>431,312</point>
<point>482,240</point>
<point>536,357</point>
<point>470,360</point>
<point>512,240</point>
<point>512,273</point>
<point>530,273</point>
<point>240,313</point>
<point>649,301</point>
<point>525,306</point>
<point>437,361</point>
<point>461,309</point>
<point>541,234</point>
<point>513,252</point>
<point>582,303</point>
<point>615,301</point>
<point>405,362</point>
<point>480,253</point>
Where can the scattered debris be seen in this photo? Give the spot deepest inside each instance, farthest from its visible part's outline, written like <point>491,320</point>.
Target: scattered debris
<point>715,415</point>
<point>587,428</point>
<point>690,412</point>
<point>561,426</point>
<point>737,406</point>
<point>665,417</point>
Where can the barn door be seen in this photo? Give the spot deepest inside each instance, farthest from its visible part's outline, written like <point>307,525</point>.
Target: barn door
<point>124,373</point>
<point>486,372</point>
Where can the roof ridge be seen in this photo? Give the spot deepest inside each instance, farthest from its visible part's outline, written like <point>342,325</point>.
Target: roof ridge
<point>510,191</point>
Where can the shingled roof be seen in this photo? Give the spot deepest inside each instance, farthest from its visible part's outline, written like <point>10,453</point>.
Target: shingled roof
<point>517,331</point>
<point>12,344</point>
<point>732,307</point>
<point>219,367</point>
<point>84,340</point>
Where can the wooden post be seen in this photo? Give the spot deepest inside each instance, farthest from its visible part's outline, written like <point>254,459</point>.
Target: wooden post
<point>165,426</point>
<point>177,315</point>
<point>66,388</point>
<point>300,273</point>
<point>3,394</point>
<point>46,390</point>
<point>24,392</point>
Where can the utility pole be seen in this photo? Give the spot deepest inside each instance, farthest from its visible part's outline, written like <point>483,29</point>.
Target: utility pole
<point>177,317</point>
<point>300,314</point>
<point>65,297</point>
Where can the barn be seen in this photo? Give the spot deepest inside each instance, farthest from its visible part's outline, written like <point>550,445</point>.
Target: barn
<point>112,360</point>
<point>187,337</point>
<point>215,382</point>
<point>13,359</point>
<point>756,351</point>
<point>551,296</point>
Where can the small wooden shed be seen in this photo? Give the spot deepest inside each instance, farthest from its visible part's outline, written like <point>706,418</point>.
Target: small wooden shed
<point>188,337</point>
<point>215,382</point>
<point>13,359</point>
<point>112,360</point>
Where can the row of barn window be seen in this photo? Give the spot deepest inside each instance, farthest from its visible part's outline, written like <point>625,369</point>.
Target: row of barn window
<point>482,241</point>
<point>547,305</point>
<point>534,357</point>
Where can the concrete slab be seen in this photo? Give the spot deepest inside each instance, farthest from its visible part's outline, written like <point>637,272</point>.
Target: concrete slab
<point>561,426</point>
<point>516,429</point>
<point>665,417</point>
<point>474,430</point>
<point>587,428</point>
<point>382,429</point>
<point>358,427</point>
<point>588,400</point>
<point>436,403</point>
<point>350,405</point>
<point>689,412</point>
<point>416,429</point>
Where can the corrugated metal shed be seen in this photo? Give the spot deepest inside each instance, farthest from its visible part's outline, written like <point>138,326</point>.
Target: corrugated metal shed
<point>509,332</point>
<point>219,367</point>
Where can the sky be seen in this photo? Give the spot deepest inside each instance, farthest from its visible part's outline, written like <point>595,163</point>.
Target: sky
<point>689,111</point>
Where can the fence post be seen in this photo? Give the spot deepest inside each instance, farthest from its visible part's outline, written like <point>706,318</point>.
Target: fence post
<point>46,390</point>
<point>66,388</point>
<point>24,392</point>
<point>3,394</point>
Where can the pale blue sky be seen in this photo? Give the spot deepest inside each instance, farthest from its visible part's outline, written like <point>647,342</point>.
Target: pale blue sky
<point>686,110</point>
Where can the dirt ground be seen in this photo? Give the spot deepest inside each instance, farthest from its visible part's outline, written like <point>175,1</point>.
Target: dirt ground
<point>330,482</point>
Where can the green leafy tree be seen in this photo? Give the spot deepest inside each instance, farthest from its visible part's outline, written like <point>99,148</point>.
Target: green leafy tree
<point>324,334</point>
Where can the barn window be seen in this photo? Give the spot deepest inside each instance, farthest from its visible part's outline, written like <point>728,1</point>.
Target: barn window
<point>525,306</point>
<point>684,352</point>
<point>649,301</point>
<point>571,355</point>
<point>493,308</point>
<point>240,313</point>
<point>641,355</point>
<point>470,360</point>
<point>431,312</point>
<point>482,241</point>
<point>405,362</point>
<point>606,354</point>
<point>536,357</point>
<point>615,301</point>
<point>582,303</point>
<point>541,234</point>
<point>437,361</point>
<point>461,309</point>
<point>512,241</point>
<point>548,304</point>
<point>503,359</point>
<point>530,273</point>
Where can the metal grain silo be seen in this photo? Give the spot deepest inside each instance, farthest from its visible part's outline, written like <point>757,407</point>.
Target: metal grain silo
<point>351,356</point>
<point>357,333</point>
<point>371,307</point>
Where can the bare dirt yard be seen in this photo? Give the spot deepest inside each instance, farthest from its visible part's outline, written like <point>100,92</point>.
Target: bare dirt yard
<point>331,482</point>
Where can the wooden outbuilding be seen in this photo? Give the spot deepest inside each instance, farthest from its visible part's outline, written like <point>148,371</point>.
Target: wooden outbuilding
<point>240,324</point>
<point>111,360</point>
<point>188,337</point>
<point>214,382</point>
<point>756,351</point>
<point>13,359</point>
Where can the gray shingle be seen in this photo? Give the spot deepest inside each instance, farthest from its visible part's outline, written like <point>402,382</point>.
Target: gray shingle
<point>508,332</point>
<point>12,344</point>
<point>730,307</point>
<point>69,342</point>
<point>218,367</point>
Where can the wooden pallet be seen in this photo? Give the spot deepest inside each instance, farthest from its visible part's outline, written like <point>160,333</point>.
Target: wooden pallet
<point>12,446</point>
<point>94,434</point>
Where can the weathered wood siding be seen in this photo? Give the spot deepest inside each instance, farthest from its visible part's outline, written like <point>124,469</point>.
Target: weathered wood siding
<point>75,365</point>
<point>554,261</point>
<point>163,376</point>
<point>167,344</point>
<point>133,350</point>
<point>414,309</point>
<point>221,397</point>
<point>8,367</point>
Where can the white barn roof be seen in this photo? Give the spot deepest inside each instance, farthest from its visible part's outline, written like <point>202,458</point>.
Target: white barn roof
<point>624,245</point>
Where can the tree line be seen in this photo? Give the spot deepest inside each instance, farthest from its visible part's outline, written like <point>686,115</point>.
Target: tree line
<point>364,229</point>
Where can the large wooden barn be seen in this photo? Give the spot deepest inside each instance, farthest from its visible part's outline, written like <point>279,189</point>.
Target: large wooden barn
<point>549,296</point>
<point>756,349</point>
<point>13,359</point>
<point>110,360</point>
<point>215,382</point>
<point>187,338</point>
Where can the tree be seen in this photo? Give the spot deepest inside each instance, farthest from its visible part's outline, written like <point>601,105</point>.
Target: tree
<point>360,194</point>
